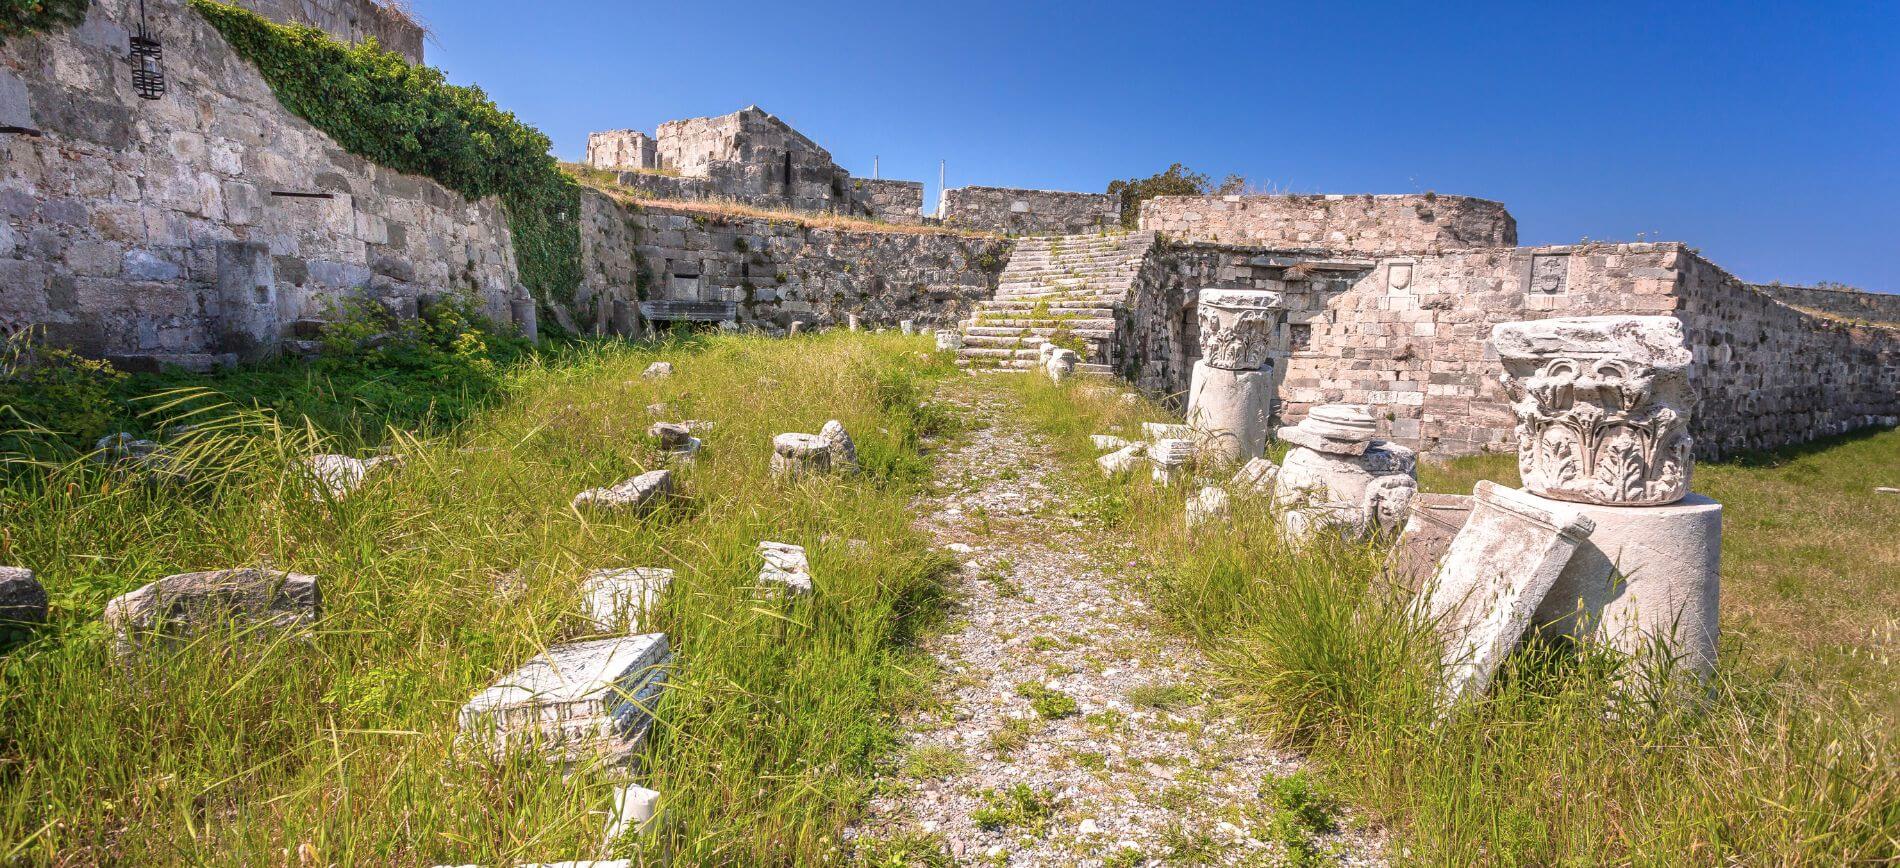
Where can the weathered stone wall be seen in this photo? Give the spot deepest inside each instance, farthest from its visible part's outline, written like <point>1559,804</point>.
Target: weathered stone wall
<point>1030,212</point>
<point>1880,307</point>
<point>1359,224</point>
<point>753,157</point>
<point>1406,334</point>
<point>701,267</point>
<point>117,217</point>
<point>621,151</point>
<point>348,20</point>
<point>890,201</point>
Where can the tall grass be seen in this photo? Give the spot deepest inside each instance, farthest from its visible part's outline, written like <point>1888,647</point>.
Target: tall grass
<point>459,566</point>
<point>1553,766</point>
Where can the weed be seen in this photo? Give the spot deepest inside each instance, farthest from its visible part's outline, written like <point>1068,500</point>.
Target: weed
<point>1049,704</point>
<point>1018,806</point>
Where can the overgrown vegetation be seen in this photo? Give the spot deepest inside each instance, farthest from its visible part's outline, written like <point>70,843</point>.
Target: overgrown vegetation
<point>457,567</point>
<point>29,16</point>
<point>1176,180</point>
<point>1557,764</point>
<point>380,107</point>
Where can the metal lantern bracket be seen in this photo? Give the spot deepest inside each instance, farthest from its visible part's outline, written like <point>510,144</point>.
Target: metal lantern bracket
<point>148,61</point>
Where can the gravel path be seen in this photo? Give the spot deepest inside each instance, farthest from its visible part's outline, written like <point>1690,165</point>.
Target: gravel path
<point>1143,768</point>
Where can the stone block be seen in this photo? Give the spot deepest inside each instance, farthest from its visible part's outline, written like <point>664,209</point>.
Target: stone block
<point>639,494</point>
<point>337,476</point>
<point>619,601</point>
<point>1496,572</point>
<point>573,702</point>
<point>179,606</point>
<point>785,568</point>
<point>1434,520</point>
<point>22,598</point>
<point>658,371</point>
<point>1122,461</point>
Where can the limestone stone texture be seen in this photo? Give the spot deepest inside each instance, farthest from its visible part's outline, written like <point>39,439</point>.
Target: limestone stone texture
<point>1646,582</point>
<point>1211,503</point>
<point>1123,461</point>
<point>1496,573</point>
<point>1109,442</point>
<point>1230,400</point>
<point>573,702</point>
<point>338,476</point>
<point>1434,521</point>
<point>785,568</point>
<point>22,598</point>
<point>1337,475</point>
<point>619,601</point>
<point>949,340</point>
<point>1603,407</point>
<point>1359,224</point>
<point>184,605</point>
<point>1256,478</point>
<point>1157,431</point>
<point>1029,212</point>
<point>1171,460</point>
<point>639,494</point>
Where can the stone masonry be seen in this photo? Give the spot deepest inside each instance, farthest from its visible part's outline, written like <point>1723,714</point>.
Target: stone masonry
<point>891,201</point>
<point>1358,224</point>
<point>1030,212</point>
<point>349,20</point>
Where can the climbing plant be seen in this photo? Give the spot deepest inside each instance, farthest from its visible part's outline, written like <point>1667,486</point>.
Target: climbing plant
<point>27,16</point>
<point>407,117</point>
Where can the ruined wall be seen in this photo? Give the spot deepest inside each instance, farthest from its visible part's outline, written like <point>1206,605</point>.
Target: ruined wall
<point>890,201</point>
<point>348,20</point>
<point>1358,224</point>
<point>116,216</point>
<point>753,157</point>
<point>1030,212</point>
<point>700,267</point>
<point>621,151</point>
<point>1406,335</point>
<point>1880,307</point>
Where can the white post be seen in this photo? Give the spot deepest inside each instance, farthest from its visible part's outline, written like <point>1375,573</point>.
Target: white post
<point>940,189</point>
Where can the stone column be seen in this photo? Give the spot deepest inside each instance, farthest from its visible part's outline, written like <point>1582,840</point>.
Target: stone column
<point>247,300</point>
<point>1338,475</point>
<point>1230,400</point>
<point>1603,407</point>
<point>525,314</point>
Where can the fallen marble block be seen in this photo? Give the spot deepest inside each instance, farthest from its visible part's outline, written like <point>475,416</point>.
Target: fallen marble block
<point>618,601</point>
<point>1109,442</point>
<point>1159,431</point>
<point>634,808</point>
<point>22,598</point>
<point>797,455</point>
<point>640,493</point>
<point>1209,504</point>
<point>573,702</point>
<point>658,371</point>
<point>1256,478</point>
<point>1062,364</point>
<point>908,327</point>
<point>671,435</point>
<point>1434,521</point>
<point>1496,572</point>
<point>187,604</point>
<point>786,568</point>
<point>1123,460</point>
<point>338,476</point>
<point>1170,460</point>
<point>844,452</point>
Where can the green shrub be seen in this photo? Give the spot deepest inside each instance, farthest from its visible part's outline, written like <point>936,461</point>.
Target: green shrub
<point>409,118</point>
<point>26,16</point>
<point>53,403</point>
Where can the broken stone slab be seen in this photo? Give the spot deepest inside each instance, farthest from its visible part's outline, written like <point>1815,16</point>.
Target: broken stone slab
<point>797,455</point>
<point>1170,459</point>
<point>1109,442</point>
<point>1123,460</point>
<point>844,452</point>
<point>22,598</point>
<point>1603,406</point>
<point>1434,521</point>
<point>338,476</point>
<point>786,568</point>
<point>908,327</point>
<point>643,492</point>
<point>949,340</point>
<point>186,604</point>
<point>1211,503</point>
<point>618,601</point>
<point>1496,572</point>
<point>1336,429</point>
<point>634,808</point>
<point>1885,490</point>
<point>1156,432</point>
<point>1062,364</point>
<point>1256,478</point>
<point>671,435</point>
<point>573,702</point>
<point>658,371</point>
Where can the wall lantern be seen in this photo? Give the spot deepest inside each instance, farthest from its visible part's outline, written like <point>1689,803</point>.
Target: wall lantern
<point>148,58</point>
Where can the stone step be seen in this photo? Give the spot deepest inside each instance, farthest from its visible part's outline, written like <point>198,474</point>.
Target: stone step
<point>1023,366</point>
<point>1019,342</point>
<point>1037,331</point>
<point>1053,304</point>
<point>1091,324</point>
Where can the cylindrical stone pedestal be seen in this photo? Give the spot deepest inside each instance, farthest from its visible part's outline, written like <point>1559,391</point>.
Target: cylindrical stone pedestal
<point>1229,412</point>
<point>1647,578</point>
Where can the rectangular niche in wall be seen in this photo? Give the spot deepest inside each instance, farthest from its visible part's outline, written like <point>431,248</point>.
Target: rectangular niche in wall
<point>1299,337</point>
<point>1550,274</point>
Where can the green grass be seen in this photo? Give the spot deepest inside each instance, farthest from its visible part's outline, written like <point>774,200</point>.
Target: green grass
<point>1048,704</point>
<point>1789,760</point>
<point>454,569</point>
<point>1018,806</point>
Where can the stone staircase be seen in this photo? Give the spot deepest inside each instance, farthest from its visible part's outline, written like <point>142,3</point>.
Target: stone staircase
<point>1063,289</point>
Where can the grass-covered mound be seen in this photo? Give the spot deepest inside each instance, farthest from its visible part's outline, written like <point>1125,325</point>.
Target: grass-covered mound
<point>455,568</point>
<point>1554,766</point>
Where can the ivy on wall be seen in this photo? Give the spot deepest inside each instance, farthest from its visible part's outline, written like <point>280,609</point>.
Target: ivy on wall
<point>28,16</point>
<point>406,117</point>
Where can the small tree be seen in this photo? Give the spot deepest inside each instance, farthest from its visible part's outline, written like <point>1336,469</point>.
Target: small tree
<point>1178,180</point>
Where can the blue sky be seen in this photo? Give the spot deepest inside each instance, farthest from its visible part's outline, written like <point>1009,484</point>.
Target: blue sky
<point>1768,135</point>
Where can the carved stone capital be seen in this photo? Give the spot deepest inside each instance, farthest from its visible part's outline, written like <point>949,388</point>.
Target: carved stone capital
<point>1603,406</point>
<point>1237,327</point>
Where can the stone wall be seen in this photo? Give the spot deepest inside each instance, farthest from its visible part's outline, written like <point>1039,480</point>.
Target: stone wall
<point>701,267</point>
<point>1406,335</point>
<point>1359,224</point>
<point>348,20</point>
<point>621,151</point>
<point>195,224</point>
<point>1030,212</point>
<point>753,157</point>
<point>890,201</point>
<point>1880,307</point>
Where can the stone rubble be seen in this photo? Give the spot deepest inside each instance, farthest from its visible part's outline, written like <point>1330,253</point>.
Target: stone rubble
<point>22,598</point>
<point>639,494</point>
<point>829,451</point>
<point>1337,476</point>
<point>180,606</point>
<point>785,568</point>
<point>575,702</point>
<point>658,371</point>
<point>338,476</point>
<point>617,601</point>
